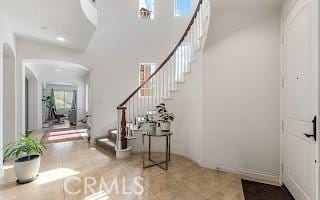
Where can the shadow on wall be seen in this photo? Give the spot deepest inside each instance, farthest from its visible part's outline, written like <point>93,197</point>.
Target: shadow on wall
<point>227,20</point>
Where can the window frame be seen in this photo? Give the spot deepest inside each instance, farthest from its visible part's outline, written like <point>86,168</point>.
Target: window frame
<point>175,9</point>
<point>152,69</point>
<point>152,15</point>
<point>64,98</point>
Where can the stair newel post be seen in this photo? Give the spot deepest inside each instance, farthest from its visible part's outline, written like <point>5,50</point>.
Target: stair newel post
<point>122,137</point>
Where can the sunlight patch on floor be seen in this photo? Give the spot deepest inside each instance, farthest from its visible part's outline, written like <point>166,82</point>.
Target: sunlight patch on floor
<point>55,174</point>
<point>98,196</point>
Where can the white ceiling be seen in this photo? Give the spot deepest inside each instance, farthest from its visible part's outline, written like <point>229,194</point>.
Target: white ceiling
<point>63,18</point>
<point>48,67</point>
<point>248,4</point>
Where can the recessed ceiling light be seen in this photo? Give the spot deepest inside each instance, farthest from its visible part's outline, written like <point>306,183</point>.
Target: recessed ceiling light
<point>44,27</point>
<point>61,39</point>
<point>58,70</point>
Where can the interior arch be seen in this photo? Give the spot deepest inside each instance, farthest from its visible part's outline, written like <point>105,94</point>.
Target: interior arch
<point>9,95</point>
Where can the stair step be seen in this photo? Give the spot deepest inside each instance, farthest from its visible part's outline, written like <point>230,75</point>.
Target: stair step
<point>197,49</point>
<point>201,37</point>
<point>180,81</point>
<point>188,70</point>
<point>167,98</point>
<point>174,90</point>
<point>113,131</point>
<point>131,137</point>
<point>113,134</point>
<point>106,143</point>
<point>193,60</point>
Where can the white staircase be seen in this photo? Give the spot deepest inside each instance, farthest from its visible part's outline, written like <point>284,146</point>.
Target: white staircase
<point>164,82</point>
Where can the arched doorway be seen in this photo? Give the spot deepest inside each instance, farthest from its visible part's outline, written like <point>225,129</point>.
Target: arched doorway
<point>48,78</point>
<point>9,95</point>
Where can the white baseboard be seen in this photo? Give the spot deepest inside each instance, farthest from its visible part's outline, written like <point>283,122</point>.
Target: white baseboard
<point>247,174</point>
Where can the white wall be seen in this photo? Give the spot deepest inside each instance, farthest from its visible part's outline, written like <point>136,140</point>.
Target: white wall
<point>6,36</point>
<point>34,99</point>
<point>9,125</point>
<point>241,93</point>
<point>114,53</point>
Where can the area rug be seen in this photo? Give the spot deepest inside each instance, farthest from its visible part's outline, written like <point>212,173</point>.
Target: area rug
<point>259,191</point>
<point>64,135</point>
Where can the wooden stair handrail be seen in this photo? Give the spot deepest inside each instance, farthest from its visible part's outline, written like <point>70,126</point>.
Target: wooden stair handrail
<point>121,106</point>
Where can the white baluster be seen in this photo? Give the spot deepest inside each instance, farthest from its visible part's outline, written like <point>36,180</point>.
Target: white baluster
<point>169,76</point>
<point>194,35</point>
<point>163,95</point>
<point>175,67</point>
<point>133,119</point>
<point>173,73</point>
<point>181,62</point>
<point>200,20</point>
<point>149,87</point>
<point>168,79</point>
<point>151,105</point>
<point>128,118</point>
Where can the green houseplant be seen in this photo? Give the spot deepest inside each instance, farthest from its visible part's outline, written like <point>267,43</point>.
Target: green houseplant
<point>165,118</point>
<point>86,122</point>
<point>47,101</point>
<point>27,152</point>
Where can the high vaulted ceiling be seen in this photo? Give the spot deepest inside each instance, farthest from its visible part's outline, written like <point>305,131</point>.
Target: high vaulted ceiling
<point>45,20</point>
<point>248,4</point>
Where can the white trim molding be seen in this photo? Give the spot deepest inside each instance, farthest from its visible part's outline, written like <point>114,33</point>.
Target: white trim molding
<point>247,174</point>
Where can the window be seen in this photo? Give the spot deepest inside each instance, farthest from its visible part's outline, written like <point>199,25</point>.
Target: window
<point>146,9</point>
<point>182,7</point>
<point>63,99</point>
<point>145,70</point>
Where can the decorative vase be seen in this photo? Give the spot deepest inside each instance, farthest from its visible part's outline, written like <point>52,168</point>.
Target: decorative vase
<point>165,126</point>
<point>27,170</point>
<point>150,127</point>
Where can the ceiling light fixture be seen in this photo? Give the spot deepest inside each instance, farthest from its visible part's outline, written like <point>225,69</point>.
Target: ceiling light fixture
<point>58,70</point>
<point>61,39</point>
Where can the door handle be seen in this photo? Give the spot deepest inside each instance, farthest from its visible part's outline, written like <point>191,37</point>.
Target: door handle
<point>314,135</point>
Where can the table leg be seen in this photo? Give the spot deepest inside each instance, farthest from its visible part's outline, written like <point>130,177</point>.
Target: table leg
<point>167,151</point>
<point>169,147</point>
<point>149,152</point>
<point>143,151</point>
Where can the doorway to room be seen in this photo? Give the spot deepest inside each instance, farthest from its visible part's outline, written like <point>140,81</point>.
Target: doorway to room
<point>58,100</point>
<point>300,101</point>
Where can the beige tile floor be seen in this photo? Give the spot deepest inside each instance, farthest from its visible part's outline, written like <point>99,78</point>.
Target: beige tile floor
<point>184,180</point>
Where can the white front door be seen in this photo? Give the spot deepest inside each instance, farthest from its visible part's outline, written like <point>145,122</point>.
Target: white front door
<point>300,101</point>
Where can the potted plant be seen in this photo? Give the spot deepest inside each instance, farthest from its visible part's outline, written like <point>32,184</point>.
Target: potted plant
<point>149,124</point>
<point>47,101</point>
<point>27,152</point>
<point>165,118</point>
<point>86,122</point>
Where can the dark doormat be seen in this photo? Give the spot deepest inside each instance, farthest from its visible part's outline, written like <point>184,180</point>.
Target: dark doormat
<point>259,191</point>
